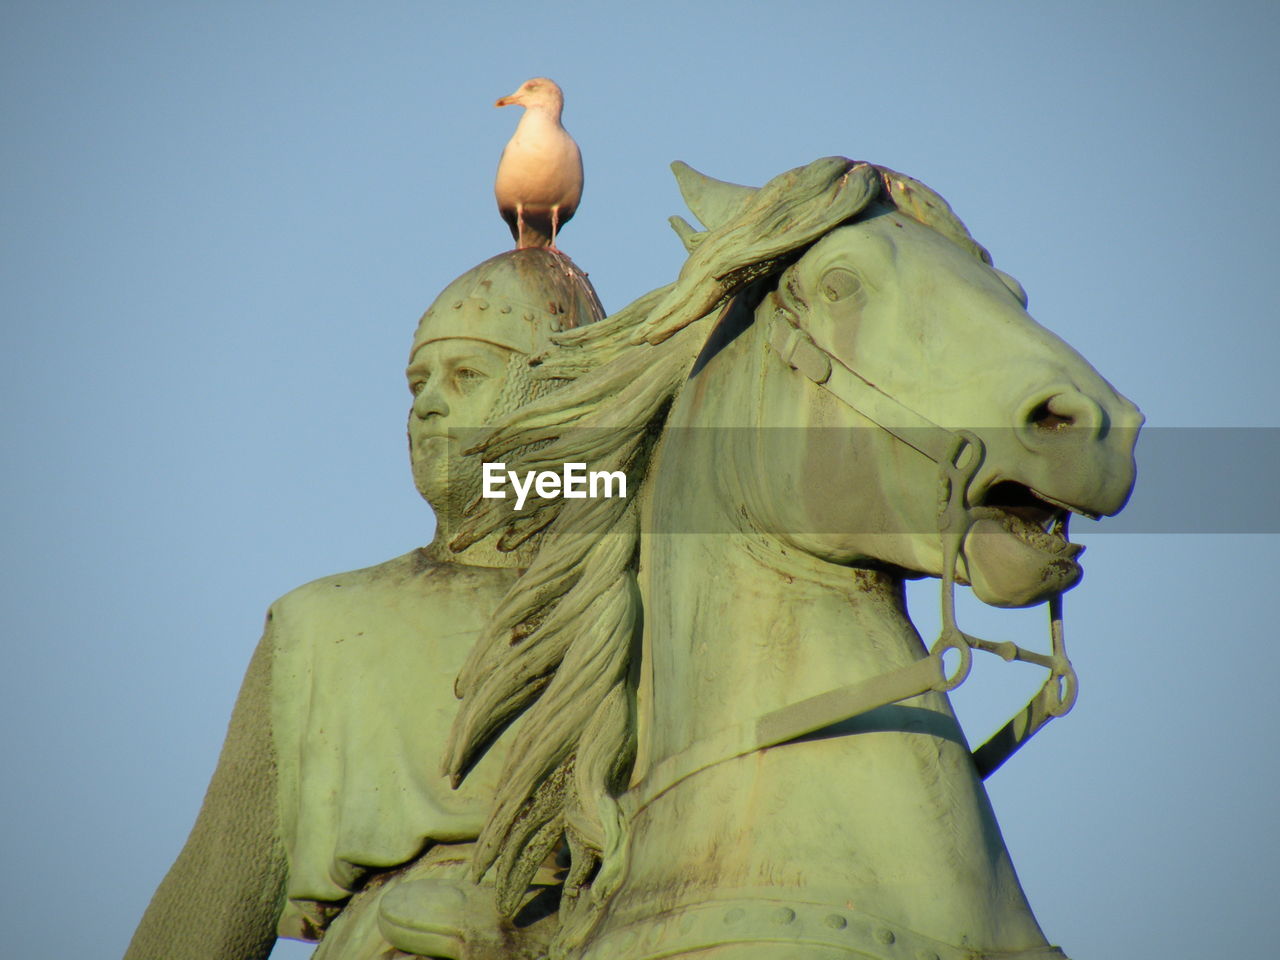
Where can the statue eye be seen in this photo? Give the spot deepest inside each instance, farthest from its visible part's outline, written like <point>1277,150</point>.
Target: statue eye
<point>416,385</point>
<point>839,284</point>
<point>466,377</point>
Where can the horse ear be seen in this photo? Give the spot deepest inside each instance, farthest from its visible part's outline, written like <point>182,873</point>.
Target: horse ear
<point>712,201</point>
<point>684,230</point>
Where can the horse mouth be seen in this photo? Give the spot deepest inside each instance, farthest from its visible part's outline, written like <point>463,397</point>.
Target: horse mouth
<point>1034,519</point>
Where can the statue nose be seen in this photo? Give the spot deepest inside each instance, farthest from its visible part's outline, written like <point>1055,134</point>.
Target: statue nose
<point>428,402</point>
<point>1061,414</point>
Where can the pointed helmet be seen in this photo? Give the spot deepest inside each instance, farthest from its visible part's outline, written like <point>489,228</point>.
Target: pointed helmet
<point>517,300</point>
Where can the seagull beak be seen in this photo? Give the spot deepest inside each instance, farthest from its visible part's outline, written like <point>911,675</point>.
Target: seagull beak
<point>505,101</point>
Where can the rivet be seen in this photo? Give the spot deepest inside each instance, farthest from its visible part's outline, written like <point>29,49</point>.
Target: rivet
<point>783,915</point>
<point>529,317</point>
<point>484,304</point>
<point>457,304</point>
<point>885,936</point>
<point>734,916</point>
<point>835,921</point>
<point>923,954</point>
<point>505,308</point>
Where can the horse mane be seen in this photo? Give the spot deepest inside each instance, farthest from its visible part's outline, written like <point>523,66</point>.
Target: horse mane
<point>562,648</point>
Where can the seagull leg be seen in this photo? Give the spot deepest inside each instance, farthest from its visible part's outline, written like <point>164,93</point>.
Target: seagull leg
<point>555,227</point>
<point>519,226</point>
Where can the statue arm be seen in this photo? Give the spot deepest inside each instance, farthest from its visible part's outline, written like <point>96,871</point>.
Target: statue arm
<point>222,898</point>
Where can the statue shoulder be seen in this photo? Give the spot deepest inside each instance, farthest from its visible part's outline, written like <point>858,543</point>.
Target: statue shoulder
<point>412,585</point>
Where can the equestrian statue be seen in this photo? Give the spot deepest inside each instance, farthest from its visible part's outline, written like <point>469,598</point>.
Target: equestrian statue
<point>694,720</point>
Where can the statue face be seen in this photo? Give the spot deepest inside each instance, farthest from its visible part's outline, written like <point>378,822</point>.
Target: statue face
<point>455,384</point>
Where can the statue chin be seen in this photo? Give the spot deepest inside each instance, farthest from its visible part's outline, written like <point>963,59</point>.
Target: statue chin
<point>1012,567</point>
<point>432,481</point>
<point>444,478</point>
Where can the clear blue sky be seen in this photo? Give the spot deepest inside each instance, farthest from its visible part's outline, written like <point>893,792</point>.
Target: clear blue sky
<point>221,222</point>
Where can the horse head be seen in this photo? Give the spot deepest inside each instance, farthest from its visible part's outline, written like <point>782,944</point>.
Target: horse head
<point>933,344</point>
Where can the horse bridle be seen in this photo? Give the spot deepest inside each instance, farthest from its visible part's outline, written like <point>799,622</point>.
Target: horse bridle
<point>958,454</point>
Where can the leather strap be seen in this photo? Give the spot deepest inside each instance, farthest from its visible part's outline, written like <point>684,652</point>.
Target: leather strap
<point>790,722</point>
<point>799,351</point>
<point>947,448</point>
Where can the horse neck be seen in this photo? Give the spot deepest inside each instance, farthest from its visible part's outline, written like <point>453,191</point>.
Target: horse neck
<point>743,623</point>
<point>736,618</point>
<point>887,813</point>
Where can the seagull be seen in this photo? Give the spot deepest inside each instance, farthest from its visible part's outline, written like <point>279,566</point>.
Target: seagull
<point>539,179</point>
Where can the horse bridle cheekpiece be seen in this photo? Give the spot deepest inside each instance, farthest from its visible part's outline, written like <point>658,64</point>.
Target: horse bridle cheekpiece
<point>959,454</point>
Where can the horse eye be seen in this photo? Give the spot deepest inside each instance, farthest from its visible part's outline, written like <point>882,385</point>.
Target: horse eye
<point>839,283</point>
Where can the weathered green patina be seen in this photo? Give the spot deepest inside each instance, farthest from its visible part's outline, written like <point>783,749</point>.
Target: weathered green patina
<point>700,723</point>
<point>725,707</point>
<point>326,803</point>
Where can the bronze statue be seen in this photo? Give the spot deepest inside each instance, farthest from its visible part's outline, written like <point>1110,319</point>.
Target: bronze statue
<point>696,719</point>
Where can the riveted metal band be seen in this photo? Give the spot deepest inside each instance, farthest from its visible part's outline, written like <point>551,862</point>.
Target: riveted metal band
<point>518,300</point>
<point>798,928</point>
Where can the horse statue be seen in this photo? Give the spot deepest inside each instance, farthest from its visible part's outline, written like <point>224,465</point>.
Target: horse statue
<point>731,735</point>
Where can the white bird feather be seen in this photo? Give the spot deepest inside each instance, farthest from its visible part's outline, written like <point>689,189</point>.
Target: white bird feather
<point>539,182</point>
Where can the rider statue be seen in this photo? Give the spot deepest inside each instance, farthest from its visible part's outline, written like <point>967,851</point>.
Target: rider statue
<point>326,818</point>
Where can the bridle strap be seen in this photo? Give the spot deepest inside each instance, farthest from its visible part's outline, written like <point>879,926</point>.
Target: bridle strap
<point>1054,699</point>
<point>799,351</point>
<point>790,723</point>
<point>958,454</point>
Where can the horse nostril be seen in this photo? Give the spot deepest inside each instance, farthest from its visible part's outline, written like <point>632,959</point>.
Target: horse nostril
<point>1062,410</point>
<point>1051,414</point>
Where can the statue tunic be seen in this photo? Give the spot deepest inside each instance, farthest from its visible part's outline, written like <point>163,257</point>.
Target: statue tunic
<point>362,699</point>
